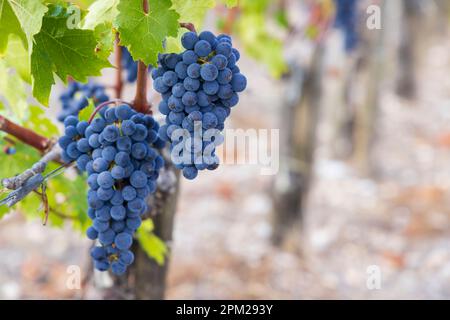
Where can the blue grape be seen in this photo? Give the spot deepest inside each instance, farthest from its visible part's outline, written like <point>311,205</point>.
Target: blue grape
<point>105,194</point>
<point>211,87</point>
<point>189,57</point>
<point>220,61</point>
<point>128,193</point>
<point>239,82</point>
<point>91,233</point>
<point>209,72</point>
<point>111,133</point>
<point>106,237</point>
<point>207,36</point>
<point>126,257</point>
<point>163,107</point>
<point>224,48</point>
<point>191,84</point>
<point>124,143</point>
<point>123,112</point>
<point>181,70</point>
<point>170,78</point>
<point>177,90</point>
<point>159,85</point>
<point>118,212</point>
<point>190,172</point>
<point>225,76</point>
<point>138,179</point>
<point>133,223</point>
<point>118,268</point>
<point>188,40</point>
<point>193,70</point>
<point>202,48</point>
<point>123,241</point>
<point>105,180</point>
<point>100,164</point>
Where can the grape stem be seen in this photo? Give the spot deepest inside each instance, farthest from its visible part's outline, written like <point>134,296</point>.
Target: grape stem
<point>188,25</point>
<point>104,104</point>
<point>25,135</point>
<point>119,81</point>
<point>140,103</point>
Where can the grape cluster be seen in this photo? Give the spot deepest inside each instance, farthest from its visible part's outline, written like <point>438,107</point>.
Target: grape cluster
<point>198,87</point>
<point>118,150</point>
<point>129,65</point>
<point>75,98</point>
<point>347,20</point>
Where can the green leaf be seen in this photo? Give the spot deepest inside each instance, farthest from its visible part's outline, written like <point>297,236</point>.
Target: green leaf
<point>85,113</point>
<point>64,51</point>
<point>105,38</point>
<point>9,24</point>
<point>101,11</point>
<point>17,57</point>
<point>256,39</point>
<point>40,122</point>
<point>193,11</point>
<point>12,89</point>
<point>29,13</point>
<point>142,33</point>
<point>150,243</point>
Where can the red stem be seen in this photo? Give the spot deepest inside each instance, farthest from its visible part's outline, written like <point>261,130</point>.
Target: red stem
<point>25,135</point>
<point>104,104</point>
<point>140,102</point>
<point>119,82</point>
<point>188,25</point>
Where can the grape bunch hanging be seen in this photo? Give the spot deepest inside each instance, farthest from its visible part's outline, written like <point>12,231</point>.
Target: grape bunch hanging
<point>118,150</point>
<point>199,87</point>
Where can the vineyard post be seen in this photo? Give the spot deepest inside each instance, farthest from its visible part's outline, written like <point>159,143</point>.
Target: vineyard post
<point>367,109</point>
<point>300,117</point>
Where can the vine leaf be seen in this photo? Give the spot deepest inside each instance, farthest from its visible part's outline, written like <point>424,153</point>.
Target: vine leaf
<point>66,52</point>
<point>105,39</point>
<point>193,11</point>
<point>101,11</point>
<point>9,24</point>
<point>256,38</point>
<point>17,57</point>
<point>144,33</point>
<point>20,17</point>
<point>153,246</point>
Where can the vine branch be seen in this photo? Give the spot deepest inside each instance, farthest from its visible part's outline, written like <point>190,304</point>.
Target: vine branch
<point>140,102</point>
<point>25,135</point>
<point>188,25</point>
<point>119,81</point>
<point>18,181</point>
